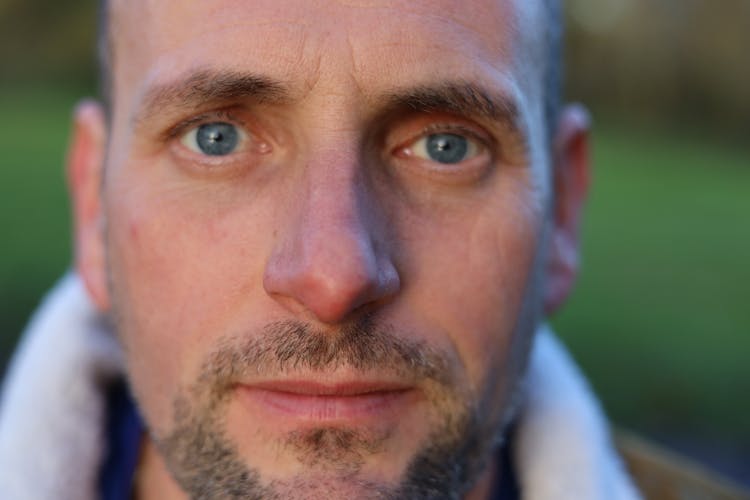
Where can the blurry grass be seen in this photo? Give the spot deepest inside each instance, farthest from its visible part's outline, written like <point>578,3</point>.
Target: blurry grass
<point>659,320</point>
<point>34,221</point>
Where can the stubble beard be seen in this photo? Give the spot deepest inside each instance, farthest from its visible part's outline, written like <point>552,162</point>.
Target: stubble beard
<point>208,465</point>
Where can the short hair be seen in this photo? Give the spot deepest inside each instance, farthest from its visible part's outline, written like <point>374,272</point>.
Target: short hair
<point>552,71</point>
<point>104,55</point>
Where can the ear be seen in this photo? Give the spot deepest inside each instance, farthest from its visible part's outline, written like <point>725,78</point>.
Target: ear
<point>570,183</point>
<point>85,173</point>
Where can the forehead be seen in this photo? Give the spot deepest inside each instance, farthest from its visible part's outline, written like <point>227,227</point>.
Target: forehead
<point>368,44</point>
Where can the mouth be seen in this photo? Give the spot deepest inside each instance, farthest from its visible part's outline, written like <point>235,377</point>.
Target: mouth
<point>345,402</point>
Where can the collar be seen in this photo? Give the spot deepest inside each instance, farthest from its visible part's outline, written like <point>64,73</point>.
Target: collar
<point>52,415</point>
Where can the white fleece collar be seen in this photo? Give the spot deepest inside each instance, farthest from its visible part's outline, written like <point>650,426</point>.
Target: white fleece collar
<point>52,436</point>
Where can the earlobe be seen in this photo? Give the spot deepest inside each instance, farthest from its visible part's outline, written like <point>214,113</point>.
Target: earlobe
<point>571,180</point>
<point>85,170</point>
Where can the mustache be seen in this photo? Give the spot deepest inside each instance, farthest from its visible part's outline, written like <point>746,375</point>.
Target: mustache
<point>293,346</point>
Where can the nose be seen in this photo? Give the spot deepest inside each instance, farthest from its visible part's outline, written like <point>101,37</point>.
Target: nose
<point>330,257</point>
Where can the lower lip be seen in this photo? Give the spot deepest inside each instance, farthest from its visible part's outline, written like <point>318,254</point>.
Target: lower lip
<point>328,408</point>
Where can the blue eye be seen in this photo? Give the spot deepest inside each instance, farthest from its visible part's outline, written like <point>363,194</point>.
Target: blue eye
<point>445,148</point>
<point>214,139</point>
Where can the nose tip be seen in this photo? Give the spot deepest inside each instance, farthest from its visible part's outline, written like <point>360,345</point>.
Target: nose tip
<point>331,282</point>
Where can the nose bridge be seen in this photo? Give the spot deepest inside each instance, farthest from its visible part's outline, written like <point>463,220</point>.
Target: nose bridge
<point>329,258</point>
<point>333,218</point>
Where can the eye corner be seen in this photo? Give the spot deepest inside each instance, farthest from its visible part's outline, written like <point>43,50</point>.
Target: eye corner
<point>403,151</point>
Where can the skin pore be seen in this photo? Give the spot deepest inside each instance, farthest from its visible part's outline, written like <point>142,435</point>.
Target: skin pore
<point>338,299</point>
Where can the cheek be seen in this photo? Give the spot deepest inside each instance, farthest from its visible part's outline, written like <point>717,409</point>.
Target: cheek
<point>474,268</point>
<point>181,273</point>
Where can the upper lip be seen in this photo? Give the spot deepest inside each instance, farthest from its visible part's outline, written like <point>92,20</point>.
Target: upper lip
<point>338,389</point>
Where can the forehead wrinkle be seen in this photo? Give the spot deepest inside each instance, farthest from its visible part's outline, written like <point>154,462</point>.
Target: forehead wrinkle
<point>151,34</point>
<point>367,74</point>
<point>474,45</point>
<point>494,22</point>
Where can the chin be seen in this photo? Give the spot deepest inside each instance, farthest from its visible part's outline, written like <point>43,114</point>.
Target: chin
<point>441,458</point>
<point>367,416</point>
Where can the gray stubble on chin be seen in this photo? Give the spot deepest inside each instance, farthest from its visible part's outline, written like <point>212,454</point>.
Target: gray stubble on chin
<point>340,451</point>
<point>207,465</point>
<point>203,461</point>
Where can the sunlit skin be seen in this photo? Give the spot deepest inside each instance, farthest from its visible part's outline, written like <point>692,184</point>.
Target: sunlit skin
<point>329,209</point>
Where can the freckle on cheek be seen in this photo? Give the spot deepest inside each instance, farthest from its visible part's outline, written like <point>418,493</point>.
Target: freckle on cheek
<point>133,231</point>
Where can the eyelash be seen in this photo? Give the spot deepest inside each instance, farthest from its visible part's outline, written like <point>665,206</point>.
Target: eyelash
<point>484,143</point>
<point>217,116</point>
<point>466,171</point>
<point>445,128</point>
<point>254,146</point>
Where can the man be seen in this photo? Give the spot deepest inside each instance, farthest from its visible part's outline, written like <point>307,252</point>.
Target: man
<point>319,240</point>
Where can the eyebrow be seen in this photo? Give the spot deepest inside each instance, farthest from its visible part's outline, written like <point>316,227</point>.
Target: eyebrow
<point>460,98</point>
<point>208,86</point>
<point>204,86</point>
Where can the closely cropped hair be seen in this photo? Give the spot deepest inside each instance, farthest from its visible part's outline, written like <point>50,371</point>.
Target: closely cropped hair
<point>104,55</point>
<point>554,67</point>
<point>552,71</point>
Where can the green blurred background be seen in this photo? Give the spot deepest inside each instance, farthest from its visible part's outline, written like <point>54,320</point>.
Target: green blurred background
<point>661,316</point>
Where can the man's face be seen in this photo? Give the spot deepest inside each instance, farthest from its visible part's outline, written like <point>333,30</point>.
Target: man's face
<point>324,229</point>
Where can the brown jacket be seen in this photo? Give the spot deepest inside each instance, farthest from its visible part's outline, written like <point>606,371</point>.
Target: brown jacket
<point>662,475</point>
